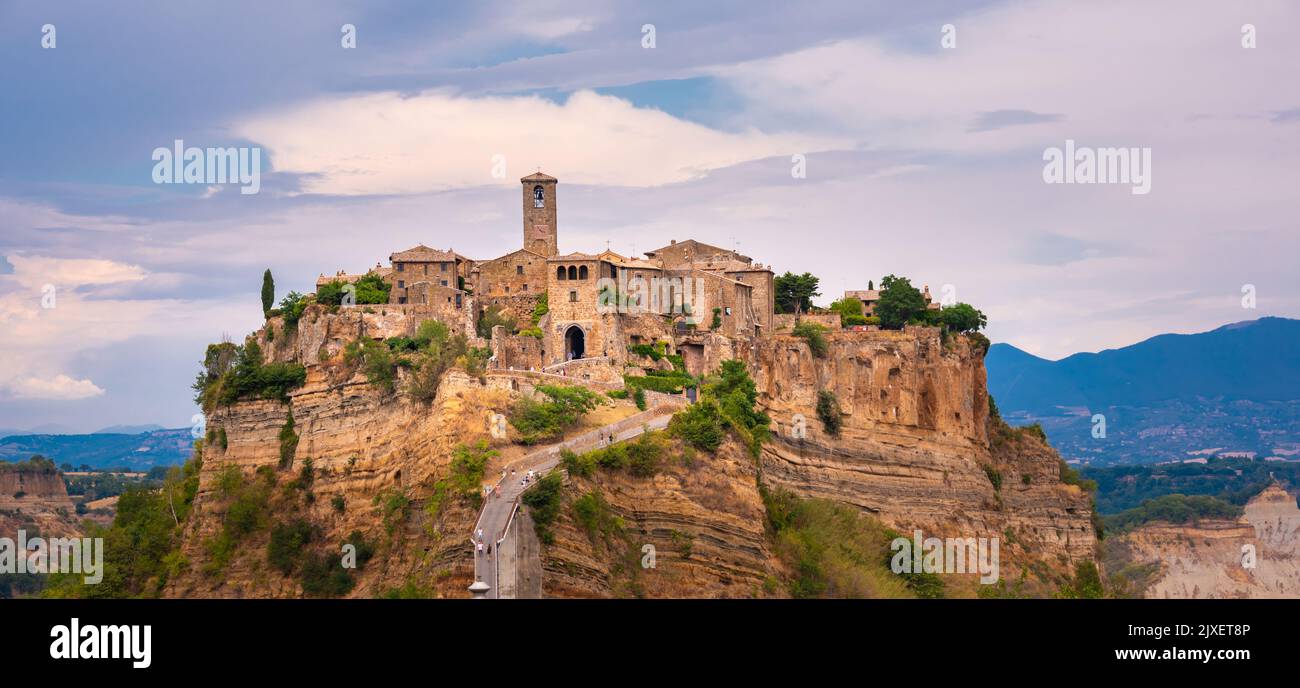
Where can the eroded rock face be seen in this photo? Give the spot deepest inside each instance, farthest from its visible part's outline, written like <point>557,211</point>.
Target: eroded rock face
<point>913,448</point>
<point>1211,558</point>
<point>36,498</point>
<point>363,443</point>
<point>705,523</point>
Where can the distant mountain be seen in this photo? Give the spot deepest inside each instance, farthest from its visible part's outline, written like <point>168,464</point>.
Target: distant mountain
<point>104,450</point>
<point>1233,389</point>
<point>128,429</point>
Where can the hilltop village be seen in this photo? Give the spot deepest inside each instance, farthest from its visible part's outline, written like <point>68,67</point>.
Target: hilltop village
<point>683,295</point>
<point>526,426</point>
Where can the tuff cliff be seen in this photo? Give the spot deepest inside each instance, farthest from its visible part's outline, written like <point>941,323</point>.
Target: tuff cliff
<point>916,449</point>
<point>913,450</point>
<point>36,499</point>
<point>1254,556</point>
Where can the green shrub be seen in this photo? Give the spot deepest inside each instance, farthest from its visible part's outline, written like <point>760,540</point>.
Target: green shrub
<point>899,303</point>
<point>834,551</point>
<point>995,477</point>
<point>593,515</point>
<point>814,335</point>
<point>292,307</point>
<point>375,360</point>
<point>323,575</point>
<point>284,549</point>
<point>542,308</point>
<point>288,442</point>
<point>617,394</point>
<point>491,318</point>
<point>392,505</point>
<point>543,502</point>
<point>699,425</point>
<point>364,550</point>
<point>638,398</point>
<point>828,410</point>
<point>539,421</point>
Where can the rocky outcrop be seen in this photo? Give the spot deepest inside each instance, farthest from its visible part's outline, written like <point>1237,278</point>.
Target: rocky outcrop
<point>703,524</point>
<point>364,444</point>
<point>914,449</point>
<point>1255,556</point>
<point>35,499</point>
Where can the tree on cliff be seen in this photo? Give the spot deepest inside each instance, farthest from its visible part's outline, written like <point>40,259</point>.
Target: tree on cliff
<point>899,303</point>
<point>268,291</point>
<point>962,317</point>
<point>795,292</point>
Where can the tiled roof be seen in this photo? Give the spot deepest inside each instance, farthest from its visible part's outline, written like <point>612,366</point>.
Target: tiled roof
<point>424,254</point>
<point>539,176</point>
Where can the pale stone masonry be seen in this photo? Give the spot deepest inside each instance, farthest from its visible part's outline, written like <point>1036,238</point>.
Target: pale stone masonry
<point>697,299</point>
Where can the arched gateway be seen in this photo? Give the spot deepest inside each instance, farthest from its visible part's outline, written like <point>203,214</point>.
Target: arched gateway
<point>574,343</point>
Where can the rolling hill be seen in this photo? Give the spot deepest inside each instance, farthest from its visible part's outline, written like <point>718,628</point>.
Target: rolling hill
<point>1171,397</point>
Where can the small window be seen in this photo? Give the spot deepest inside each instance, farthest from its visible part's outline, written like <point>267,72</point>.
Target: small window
<point>573,296</point>
<point>401,267</point>
<point>519,269</point>
<point>507,288</point>
<point>573,272</point>
<point>442,267</point>
<point>539,197</point>
<point>728,310</point>
<point>582,272</point>
<point>444,283</point>
<point>525,287</point>
<point>560,274</point>
<point>401,299</point>
<point>401,284</point>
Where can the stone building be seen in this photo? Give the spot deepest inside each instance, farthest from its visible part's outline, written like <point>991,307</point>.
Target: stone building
<point>422,264</point>
<point>696,255</point>
<point>687,293</point>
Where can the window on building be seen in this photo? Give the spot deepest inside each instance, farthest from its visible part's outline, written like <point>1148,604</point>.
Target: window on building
<point>573,296</point>
<point>442,267</point>
<point>525,287</point>
<point>573,272</point>
<point>507,288</point>
<point>582,272</point>
<point>727,310</point>
<point>539,197</point>
<point>401,284</point>
<point>401,267</point>
<point>560,274</point>
<point>444,283</point>
<point>401,299</point>
<point>519,269</point>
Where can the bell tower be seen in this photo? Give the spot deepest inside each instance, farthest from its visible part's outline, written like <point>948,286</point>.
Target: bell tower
<point>539,214</point>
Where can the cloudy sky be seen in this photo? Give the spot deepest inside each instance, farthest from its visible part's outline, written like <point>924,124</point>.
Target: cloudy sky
<point>921,160</point>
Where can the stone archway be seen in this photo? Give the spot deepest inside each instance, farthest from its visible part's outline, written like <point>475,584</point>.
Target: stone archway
<point>574,343</point>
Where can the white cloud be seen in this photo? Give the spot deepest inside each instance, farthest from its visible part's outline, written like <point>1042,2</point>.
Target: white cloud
<point>388,144</point>
<point>58,388</point>
<point>1118,73</point>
